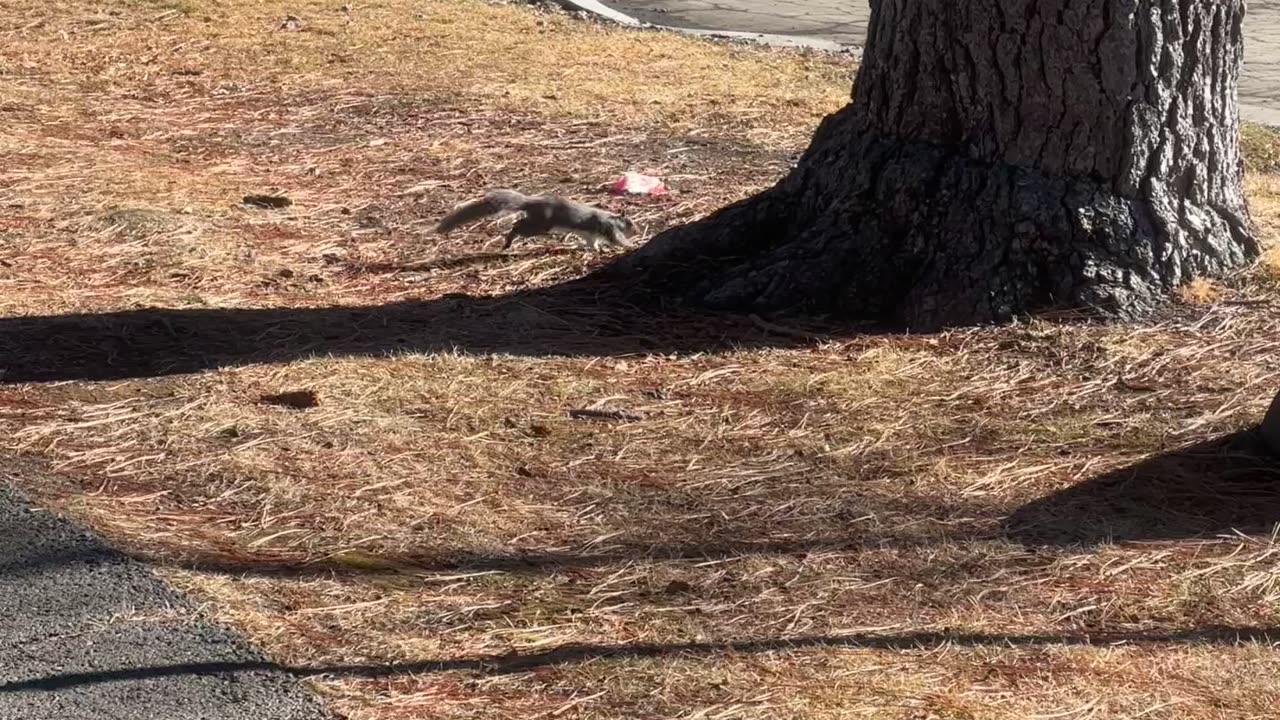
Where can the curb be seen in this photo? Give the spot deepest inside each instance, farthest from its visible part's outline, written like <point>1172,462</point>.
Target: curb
<point>600,10</point>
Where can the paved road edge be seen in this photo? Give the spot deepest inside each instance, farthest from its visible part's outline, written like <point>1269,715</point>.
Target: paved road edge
<point>87,633</point>
<point>600,10</point>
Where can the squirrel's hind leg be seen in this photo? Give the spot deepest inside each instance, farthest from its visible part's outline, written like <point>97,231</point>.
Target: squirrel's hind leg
<point>523,228</point>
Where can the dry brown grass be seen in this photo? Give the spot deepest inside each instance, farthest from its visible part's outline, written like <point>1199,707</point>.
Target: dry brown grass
<point>886,527</point>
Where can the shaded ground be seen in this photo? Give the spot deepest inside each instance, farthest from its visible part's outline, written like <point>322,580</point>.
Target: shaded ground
<point>1226,485</point>
<point>585,322</point>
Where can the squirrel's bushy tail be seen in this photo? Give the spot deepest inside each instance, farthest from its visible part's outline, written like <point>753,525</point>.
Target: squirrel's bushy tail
<point>498,202</point>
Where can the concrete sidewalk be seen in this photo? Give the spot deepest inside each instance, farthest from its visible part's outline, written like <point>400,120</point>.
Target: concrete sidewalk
<point>845,22</point>
<point>72,608</point>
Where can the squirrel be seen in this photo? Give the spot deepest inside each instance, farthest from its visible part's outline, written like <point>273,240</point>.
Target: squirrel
<point>543,215</point>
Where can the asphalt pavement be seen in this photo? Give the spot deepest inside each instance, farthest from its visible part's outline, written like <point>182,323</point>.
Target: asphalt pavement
<point>88,634</point>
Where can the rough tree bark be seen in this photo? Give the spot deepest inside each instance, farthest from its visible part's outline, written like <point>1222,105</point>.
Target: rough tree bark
<point>999,157</point>
<point>1271,426</point>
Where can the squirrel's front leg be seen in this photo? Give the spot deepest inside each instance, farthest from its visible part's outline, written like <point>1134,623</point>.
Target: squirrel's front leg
<point>589,241</point>
<point>511,239</point>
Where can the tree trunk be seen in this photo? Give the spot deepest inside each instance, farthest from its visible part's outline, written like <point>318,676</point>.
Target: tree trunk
<point>1271,426</point>
<point>998,158</point>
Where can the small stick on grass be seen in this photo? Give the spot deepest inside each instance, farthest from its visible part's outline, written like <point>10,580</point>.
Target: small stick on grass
<point>785,331</point>
<point>588,414</point>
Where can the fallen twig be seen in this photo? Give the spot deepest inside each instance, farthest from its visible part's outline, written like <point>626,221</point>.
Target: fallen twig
<point>786,331</point>
<point>587,414</point>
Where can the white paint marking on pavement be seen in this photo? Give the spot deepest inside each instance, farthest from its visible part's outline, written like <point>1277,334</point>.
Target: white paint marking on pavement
<point>592,6</point>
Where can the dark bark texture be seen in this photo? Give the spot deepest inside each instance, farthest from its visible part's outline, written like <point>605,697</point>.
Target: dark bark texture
<point>998,158</point>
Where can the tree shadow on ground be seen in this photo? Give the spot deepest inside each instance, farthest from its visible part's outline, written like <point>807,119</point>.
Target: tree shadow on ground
<point>579,318</point>
<point>467,260</point>
<point>511,663</point>
<point>458,561</point>
<point>1223,486</point>
<point>646,530</point>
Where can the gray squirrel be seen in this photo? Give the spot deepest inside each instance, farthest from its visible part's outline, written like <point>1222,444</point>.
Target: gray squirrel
<point>543,215</point>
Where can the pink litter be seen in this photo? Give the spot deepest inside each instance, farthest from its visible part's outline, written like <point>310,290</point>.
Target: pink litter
<point>637,184</point>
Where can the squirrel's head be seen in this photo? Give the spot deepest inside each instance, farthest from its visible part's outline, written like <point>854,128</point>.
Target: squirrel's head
<point>628,228</point>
